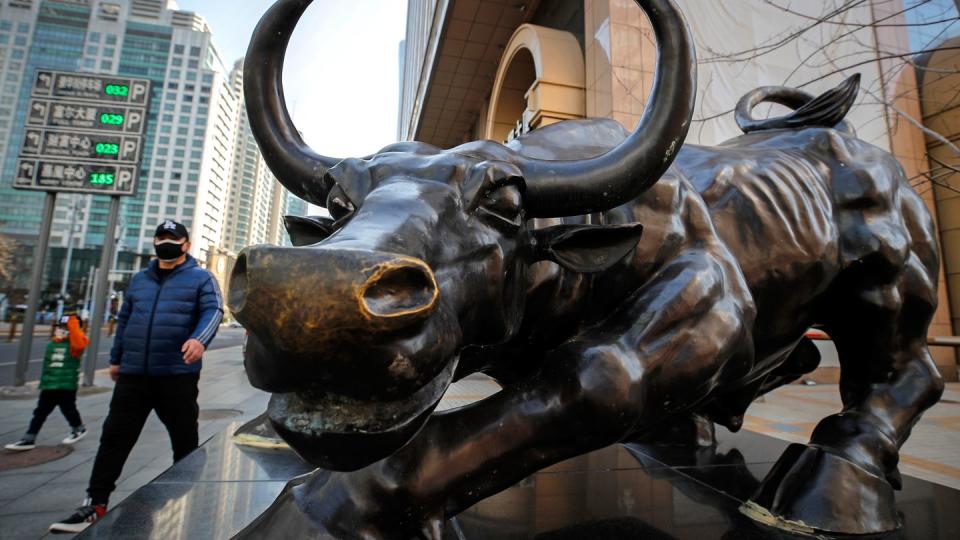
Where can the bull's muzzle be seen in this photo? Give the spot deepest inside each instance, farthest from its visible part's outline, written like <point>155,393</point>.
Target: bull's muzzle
<point>299,300</point>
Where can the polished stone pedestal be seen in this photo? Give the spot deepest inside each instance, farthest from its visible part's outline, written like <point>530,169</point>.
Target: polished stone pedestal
<point>623,491</point>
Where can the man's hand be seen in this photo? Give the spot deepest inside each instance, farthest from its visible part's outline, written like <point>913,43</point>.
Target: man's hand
<point>114,371</point>
<point>192,351</point>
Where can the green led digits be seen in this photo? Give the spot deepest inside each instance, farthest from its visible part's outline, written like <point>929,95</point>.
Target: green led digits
<point>108,148</point>
<point>111,119</point>
<point>117,90</point>
<point>101,179</point>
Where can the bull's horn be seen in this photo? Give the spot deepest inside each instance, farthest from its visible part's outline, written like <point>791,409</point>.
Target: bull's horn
<point>562,188</point>
<point>296,166</point>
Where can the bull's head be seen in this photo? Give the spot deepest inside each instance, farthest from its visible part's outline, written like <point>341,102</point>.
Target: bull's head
<point>358,333</point>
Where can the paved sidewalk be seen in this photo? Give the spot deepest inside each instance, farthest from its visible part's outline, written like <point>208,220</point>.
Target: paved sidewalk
<point>32,498</point>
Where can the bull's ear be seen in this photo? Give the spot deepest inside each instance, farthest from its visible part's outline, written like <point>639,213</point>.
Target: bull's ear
<point>585,248</point>
<point>307,230</point>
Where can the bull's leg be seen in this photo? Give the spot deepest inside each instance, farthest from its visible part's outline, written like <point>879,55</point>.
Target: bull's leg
<point>680,335</point>
<point>844,480</point>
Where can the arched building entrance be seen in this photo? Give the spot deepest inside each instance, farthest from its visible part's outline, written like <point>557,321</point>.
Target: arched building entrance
<point>540,80</point>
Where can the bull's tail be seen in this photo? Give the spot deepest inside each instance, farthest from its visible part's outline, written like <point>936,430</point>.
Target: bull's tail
<point>825,110</point>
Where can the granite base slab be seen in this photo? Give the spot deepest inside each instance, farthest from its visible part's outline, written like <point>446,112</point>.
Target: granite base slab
<point>622,491</point>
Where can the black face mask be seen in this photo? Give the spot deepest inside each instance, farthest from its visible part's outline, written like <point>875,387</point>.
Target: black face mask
<point>168,252</point>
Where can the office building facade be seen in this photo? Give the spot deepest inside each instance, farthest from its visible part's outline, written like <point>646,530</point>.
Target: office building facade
<point>476,69</point>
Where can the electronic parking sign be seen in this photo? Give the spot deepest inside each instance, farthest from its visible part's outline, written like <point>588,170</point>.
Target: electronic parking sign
<point>83,134</point>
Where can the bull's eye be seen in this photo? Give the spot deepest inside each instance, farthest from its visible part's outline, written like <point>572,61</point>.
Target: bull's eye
<point>501,206</point>
<point>338,204</point>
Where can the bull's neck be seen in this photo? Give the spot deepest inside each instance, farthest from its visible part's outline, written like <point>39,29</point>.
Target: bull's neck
<point>559,302</point>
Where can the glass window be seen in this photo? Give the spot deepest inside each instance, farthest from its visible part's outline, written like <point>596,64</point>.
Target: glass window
<point>181,142</point>
<point>208,78</point>
<point>163,140</point>
<point>109,51</point>
<point>106,64</point>
<point>93,51</point>
<point>173,199</point>
<point>176,62</point>
<point>171,96</point>
<point>153,209</point>
<point>111,39</point>
<point>20,41</point>
<point>94,36</point>
<point>168,118</point>
<point>177,153</point>
<point>154,197</point>
<point>17,54</point>
<point>23,27</point>
<point>172,85</point>
<point>174,73</point>
<point>177,164</point>
<point>194,51</point>
<point>184,119</point>
<point>186,109</point>
<point>189,200</point>
<point>6,25</point>
<point>89,63</point>
<point>178,49</point>
<point>198,143</point>
<point>169,106</point>
<point>183,130</point>
<point>165,129</point>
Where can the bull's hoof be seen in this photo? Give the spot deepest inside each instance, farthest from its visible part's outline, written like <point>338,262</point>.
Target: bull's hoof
<point>810,491</point>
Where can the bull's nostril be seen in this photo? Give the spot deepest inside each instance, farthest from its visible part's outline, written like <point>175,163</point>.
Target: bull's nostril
<point>238,285</point>
<point>399,291</point>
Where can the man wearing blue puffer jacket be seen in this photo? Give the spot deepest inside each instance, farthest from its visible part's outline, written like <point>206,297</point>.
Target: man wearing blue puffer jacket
<point>170,314</point>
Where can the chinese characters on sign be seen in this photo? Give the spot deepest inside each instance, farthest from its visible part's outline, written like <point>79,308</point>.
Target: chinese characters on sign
<point>84,134</point>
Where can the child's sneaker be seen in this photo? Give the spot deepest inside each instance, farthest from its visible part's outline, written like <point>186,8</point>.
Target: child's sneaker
<point>75,435</point>
<point>85,516</point>
<point>21,445</point>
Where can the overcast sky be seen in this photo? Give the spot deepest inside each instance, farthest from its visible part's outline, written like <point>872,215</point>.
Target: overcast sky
<point>342,70</point>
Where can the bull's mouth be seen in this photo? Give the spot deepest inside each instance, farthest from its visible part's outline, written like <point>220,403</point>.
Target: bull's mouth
<point>343,433</point>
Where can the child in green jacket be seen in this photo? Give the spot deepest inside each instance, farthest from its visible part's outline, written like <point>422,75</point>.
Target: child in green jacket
<point>58,383</point>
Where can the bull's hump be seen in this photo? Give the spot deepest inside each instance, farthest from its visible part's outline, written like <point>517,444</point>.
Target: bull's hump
<point>571,139</point>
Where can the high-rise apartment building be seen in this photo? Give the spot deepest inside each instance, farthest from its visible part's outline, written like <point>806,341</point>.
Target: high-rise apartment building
<point>187,157</point>
<point>257,202</point>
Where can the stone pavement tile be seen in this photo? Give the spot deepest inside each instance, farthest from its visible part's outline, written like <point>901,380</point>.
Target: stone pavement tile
<point>16,485</point>
<point>30,525</point>
<point>53,495</point>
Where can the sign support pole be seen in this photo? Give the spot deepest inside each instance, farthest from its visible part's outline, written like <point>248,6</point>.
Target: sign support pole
<point>36,282</point>
<point>100,292</point>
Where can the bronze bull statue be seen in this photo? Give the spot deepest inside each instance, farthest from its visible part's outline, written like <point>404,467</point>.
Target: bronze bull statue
<point>619,286</point>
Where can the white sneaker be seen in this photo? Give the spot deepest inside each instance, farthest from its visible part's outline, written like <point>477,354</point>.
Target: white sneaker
<point>76,435</point>
<point>21,445</point>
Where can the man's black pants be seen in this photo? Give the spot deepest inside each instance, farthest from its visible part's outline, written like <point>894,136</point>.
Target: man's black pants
<point>173,397</point>
<point>50,400</point>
